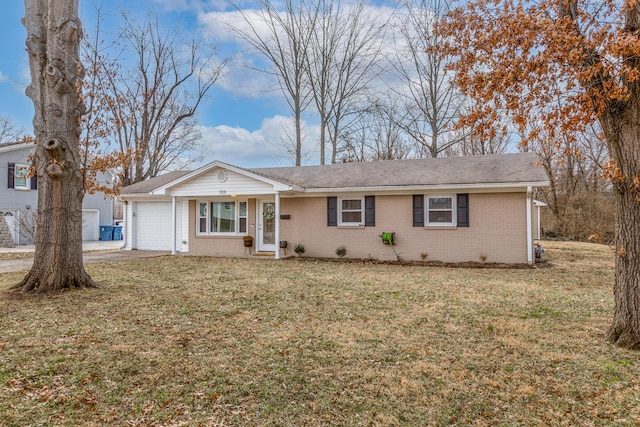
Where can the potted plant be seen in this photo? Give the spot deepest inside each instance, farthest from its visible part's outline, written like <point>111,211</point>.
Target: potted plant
<point>387,238</point>
<point>299,249</point>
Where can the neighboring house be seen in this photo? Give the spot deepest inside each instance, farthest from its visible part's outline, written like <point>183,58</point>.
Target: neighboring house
<point>19,195</point>
<point>452,209</point>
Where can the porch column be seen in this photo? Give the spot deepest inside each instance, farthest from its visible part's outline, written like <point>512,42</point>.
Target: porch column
<point>173,225</point>
<point>529,200</point>
<point>277,255</point>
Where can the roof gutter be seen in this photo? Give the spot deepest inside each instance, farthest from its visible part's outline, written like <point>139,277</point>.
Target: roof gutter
<point>439,187</point>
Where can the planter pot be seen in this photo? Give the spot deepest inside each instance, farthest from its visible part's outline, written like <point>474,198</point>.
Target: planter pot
<point>248,241</point>
<point>283,244</point>
<point>388,236</point>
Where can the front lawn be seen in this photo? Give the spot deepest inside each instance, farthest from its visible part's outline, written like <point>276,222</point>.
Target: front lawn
<point>225,342</point>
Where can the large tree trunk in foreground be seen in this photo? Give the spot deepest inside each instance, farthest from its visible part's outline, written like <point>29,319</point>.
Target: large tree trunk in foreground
<point>625,331</point>
<point>53,36</point>
<point>621,125</point>
<point>623,135</point>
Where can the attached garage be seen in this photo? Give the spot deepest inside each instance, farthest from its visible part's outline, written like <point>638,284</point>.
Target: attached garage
<point>153,226</point>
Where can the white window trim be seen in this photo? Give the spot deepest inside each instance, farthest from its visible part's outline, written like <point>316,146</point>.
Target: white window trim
<point>208,217</point>
<point>27,185</point>
<point>362,213</point>
<point>454,210</point>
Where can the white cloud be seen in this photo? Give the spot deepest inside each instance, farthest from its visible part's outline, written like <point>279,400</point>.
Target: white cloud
<point>265,147</point>
<point>225,25</point>
<point>3,77</point>
<point>245,81</point>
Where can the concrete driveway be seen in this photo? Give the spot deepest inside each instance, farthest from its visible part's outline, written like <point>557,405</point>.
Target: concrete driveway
<point>95,252</point>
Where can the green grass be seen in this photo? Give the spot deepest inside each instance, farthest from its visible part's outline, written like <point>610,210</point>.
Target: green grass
<point>220,342</point>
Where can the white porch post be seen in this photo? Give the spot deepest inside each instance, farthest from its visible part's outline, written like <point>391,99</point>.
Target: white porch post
<point>277,218</point>
<point>173,225</point>
<point>529,226</point>
<point>539,228</point>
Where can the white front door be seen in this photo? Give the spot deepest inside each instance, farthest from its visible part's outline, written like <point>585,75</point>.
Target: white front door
<point>267,226</point>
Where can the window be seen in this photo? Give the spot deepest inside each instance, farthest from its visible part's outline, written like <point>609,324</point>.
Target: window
<point>350,211</point>
<point>223,217</point>
<point>21,180</point>
<point>242,217</point>
<point>202,218</point>
<point>441,210</point>
<point>229,217</point>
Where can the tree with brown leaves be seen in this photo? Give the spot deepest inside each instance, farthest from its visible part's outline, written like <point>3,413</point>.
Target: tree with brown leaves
<point>521,57</point>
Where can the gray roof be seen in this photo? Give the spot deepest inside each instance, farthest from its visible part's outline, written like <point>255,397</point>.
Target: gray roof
<point>469,170</point>
<point>149,185</point>
<point>487,169</point>
<point>10,146</point>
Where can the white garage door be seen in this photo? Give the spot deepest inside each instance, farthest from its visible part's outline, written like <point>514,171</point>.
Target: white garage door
<point>153,224</point>
<point>90,219</point>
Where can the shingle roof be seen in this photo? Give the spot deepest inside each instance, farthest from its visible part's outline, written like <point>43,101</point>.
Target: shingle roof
<point>487,169</point>
<point>10,146</point>
<point>151,184</point>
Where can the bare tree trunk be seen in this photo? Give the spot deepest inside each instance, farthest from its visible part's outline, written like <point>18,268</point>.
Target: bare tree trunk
<point>623,138</point>
<point>53,36</point>
<point>625,330</point>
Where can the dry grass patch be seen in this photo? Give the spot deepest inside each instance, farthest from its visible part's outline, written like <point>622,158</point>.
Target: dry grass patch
<point>194,340</point>
<point>15,255</point>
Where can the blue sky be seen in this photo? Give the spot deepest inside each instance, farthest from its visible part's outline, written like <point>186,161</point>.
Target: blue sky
<point>240,123</point>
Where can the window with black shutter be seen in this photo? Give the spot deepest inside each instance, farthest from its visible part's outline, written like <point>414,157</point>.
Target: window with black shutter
<point>463,210</point>
<point>370,211</point>
<point>10,181</point>
<point>332,211</point>
<point>418,210</point>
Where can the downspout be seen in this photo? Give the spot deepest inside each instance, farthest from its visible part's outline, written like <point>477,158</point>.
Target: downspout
<point>277,218</point>
<point>529,227</point>
<point>173,225</point>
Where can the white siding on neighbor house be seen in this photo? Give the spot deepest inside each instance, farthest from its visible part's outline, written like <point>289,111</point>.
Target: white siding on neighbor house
<point>20,200</point>
<point>153,226</point>
<point>221,182</point>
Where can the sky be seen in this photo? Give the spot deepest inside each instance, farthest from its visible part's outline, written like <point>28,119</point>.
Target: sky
<point>241,123</point>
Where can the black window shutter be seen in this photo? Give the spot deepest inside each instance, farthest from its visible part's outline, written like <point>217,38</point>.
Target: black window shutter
<point>418,210</point>
<point>34,181</point>
<point>463,210</point>
<point>370,211</point>
<point>12,170</point>
<point>332,211</point>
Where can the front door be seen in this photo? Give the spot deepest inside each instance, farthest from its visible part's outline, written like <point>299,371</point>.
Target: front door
<point>267,226</point>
